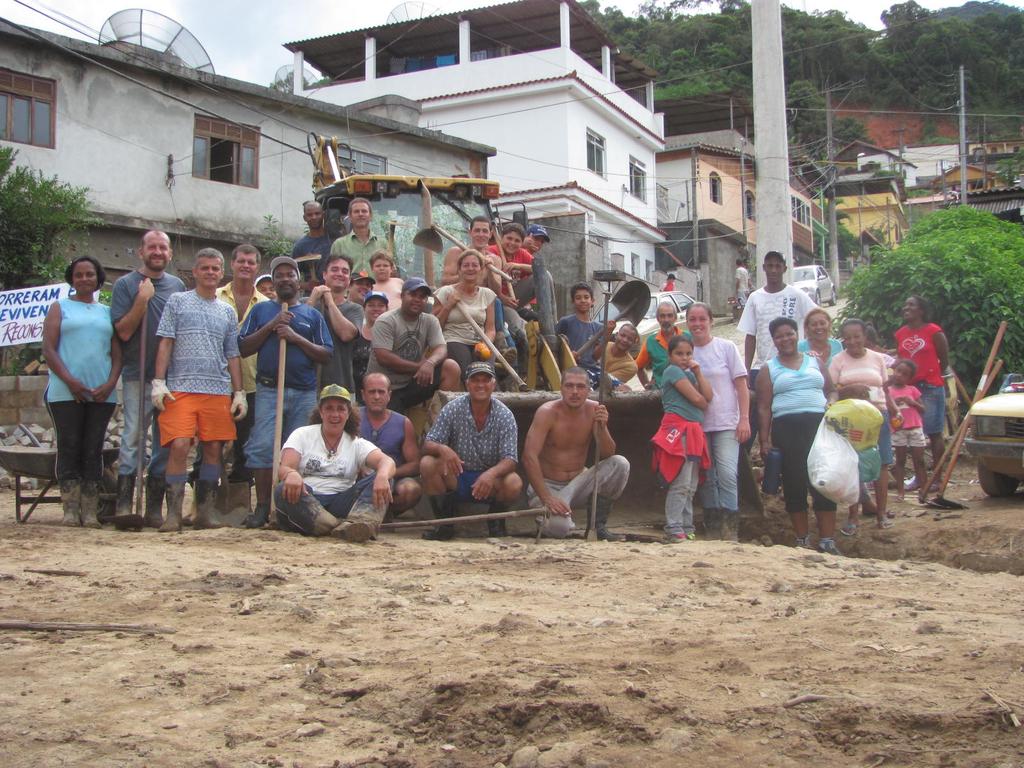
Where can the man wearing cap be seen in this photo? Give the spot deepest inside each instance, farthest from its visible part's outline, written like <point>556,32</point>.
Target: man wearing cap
<point>555,455</point>
<point>375,304</point>
<point>344,318</point>
<point>470,454</point>
<point>241,295</point>
<point>319,490</point>
<point>316,242</point>
<point>359,244</point>
<point>409,347</point>
<point>197,386</point>
<point>393,433</point>
<point>536,236</point>
<point>362,284</point>
<point>308,343</point>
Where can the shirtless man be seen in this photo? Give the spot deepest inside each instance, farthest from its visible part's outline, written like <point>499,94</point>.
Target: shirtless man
<point>555,453</point>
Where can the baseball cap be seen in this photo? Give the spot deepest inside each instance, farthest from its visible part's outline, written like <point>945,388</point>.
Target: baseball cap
<point>363,276</point>
<point>282,260</point>
<point>375,295</point>
<point>334,390</point>
<point>536,230</point>
<point>415,284</point>
<point>261,278</point>
<point>479,366</point>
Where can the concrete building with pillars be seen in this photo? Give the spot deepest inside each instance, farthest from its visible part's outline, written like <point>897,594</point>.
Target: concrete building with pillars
<point>572,118</point>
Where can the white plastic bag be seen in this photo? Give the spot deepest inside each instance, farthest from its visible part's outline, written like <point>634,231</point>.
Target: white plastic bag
<point>832,467</point>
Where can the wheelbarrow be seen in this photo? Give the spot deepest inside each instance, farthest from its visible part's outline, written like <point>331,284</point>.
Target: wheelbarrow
<point>40,463</point>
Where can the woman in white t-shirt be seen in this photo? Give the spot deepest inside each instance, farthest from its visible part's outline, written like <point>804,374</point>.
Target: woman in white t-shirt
<point>726,422</point>
<point>320,491</point>
<point>452,302</point>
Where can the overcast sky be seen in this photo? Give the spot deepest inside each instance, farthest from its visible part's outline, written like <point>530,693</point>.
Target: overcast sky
<point>244,37</point>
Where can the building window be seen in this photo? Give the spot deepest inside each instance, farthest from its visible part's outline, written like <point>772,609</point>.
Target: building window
<point>356,161</point>
<point>749,205</point>
<point>801,210</point>
<point>635,264</point>
<point>637,179</point>
<point>715,188</point>
<point>27,109</point>
<point>225,152</point>
<point>595,152</point>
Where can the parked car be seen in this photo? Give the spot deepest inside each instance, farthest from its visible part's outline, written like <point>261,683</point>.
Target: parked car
<point>814,280</point>
<point>998,439</point>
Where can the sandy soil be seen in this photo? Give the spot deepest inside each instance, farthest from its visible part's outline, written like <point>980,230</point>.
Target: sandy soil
<point>294,652</point>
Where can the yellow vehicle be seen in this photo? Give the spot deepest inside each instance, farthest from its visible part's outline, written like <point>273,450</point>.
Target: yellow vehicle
<point>998,440</point>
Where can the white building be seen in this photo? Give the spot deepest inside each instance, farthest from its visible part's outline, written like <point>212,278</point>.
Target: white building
<point>572,118</point>
<point>204,157</point>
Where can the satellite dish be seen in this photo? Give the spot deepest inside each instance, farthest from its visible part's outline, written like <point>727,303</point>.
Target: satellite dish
<point>283,78</point>
<point>414,9</point>
<point>152,30</point>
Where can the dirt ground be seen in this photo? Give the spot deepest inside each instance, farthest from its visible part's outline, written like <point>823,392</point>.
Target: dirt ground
<point>294,652</point>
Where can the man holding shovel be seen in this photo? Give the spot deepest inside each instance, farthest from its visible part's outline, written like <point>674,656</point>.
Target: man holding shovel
<point>136,306</point>
<point>308,342</point>
<point>344,319</point>
<point>197,386</point>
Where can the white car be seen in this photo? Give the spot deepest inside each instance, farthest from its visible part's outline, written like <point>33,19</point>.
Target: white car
<point>814,280</point>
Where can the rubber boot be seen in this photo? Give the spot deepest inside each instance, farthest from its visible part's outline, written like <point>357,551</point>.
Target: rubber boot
<point>125,495</point>
<point>713,523</point>
<point>360,525</point>
<point>496,528</point>
<point>156,487</point>
<point>206,502</point>
<point>604,508</point>
<point>730,525</point>
<point>444,508</point>
<point>259,517</point>
<point>71,498</point>
<point>175,495</point>
<point>90,504</point>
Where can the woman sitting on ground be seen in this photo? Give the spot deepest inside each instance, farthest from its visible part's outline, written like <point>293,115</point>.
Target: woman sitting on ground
<point>791,401</point>
<point>84,358</point>
<point>818,341</point>
<point>452,301</point>
<point>375,304</point>
<point>382,266</point>
<point>320,491</point>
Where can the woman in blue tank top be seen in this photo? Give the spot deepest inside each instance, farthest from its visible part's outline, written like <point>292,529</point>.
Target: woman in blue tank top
<point>791,400</point>
<point>84,358</point>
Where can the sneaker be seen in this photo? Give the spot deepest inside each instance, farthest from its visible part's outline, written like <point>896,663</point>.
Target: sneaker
<point>828,547</point>
<point>679,538</point>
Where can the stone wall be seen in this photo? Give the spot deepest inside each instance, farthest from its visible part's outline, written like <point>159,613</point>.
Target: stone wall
<point>21,400</point>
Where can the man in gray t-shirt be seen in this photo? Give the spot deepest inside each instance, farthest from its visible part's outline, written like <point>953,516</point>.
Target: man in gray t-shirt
<point>197,386</point>
<point>143,292</point>
<point>409,347</point>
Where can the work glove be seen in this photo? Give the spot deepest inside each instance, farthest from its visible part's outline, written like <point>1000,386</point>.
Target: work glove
<point>158,392</point>
<point>239,405</point>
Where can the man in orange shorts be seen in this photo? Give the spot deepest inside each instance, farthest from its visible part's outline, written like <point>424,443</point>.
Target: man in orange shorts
<point>197,386</point>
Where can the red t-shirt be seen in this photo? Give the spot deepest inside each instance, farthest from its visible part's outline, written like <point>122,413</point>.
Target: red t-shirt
<point>918,345</point>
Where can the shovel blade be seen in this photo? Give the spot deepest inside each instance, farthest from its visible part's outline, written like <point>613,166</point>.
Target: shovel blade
<point>940,502</point>
<point>429,239</point>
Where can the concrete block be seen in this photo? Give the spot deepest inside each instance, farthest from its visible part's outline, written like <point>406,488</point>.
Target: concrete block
<point>9,415</point>
<point>8,383</point>
<point>32,383</point>
<point>36,416</point>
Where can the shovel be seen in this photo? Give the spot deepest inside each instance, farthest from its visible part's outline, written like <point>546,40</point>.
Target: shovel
<point>430,238</point>
<point>136,521</point>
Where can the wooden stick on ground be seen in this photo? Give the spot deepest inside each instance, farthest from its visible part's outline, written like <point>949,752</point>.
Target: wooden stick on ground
<point>73,626</point>
<point>54,572</point>
<point>464,519</point>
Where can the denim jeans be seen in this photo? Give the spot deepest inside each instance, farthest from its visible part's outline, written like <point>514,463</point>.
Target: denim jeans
<point>720,482</point>
<point>301,516</point>
<point>128,456</point>
<point>298,407</point>
<point>679,501</point>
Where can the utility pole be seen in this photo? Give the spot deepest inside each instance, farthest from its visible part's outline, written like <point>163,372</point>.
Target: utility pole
<point>771,146</point>
<point>963,140</point>
<point>830,196</point>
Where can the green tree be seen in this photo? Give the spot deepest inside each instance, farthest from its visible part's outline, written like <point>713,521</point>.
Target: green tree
<point>969,266</point>
<point>38,216</point>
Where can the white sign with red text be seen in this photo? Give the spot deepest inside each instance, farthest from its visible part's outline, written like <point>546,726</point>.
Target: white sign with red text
<point>22,312</point>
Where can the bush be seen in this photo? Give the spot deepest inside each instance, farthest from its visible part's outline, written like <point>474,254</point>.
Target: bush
<point>969,266</point>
